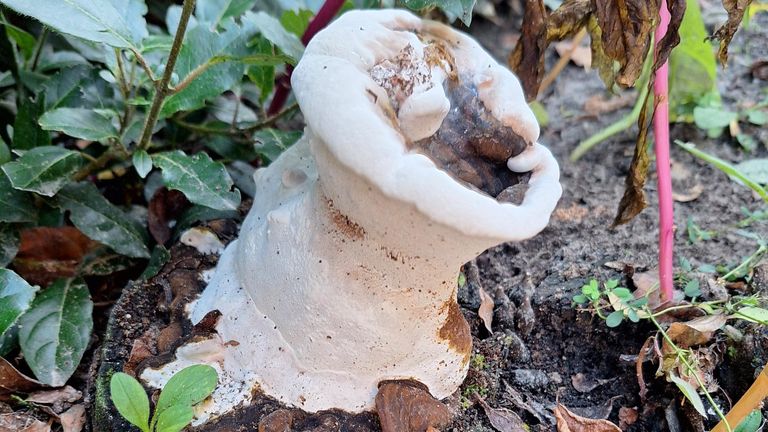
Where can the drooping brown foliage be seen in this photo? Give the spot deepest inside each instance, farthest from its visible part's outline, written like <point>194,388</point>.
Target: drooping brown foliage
<point>724,33</point>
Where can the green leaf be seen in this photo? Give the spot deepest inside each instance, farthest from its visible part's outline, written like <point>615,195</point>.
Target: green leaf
<point>273,31</point>
<point>692,288</point>
<point>271,142</point>
<point>9,341</point>
<point>755,169</point>
<point>9,243</point>
<point>580,299</point>
<point>202,180</point>
<point>461,9</point>
<point>213,12</point>
<point>5,152</point>
<point>690,393</point>
<point>142,163</point>
<point>622,293</point>
<point>751,422</point>
<point>692,66</point>
<point>262,76</point>
<point>93,20</point>
<point>753,314</point>
<point>27,133</point>
<point>65,89</point>
<point>17,206</point>
<point>202,45</point>
<point>614,319</point>
<point>708,118</point>
<point>130,399</point>
<point>25,41</point>
<point>757,117</point>
<point>15,298</point>
<point>133,11</point>
<point>187,387</point>
<point>174,418</point>
<point>100,220</point>
<point>56,329</point>
<point>79,123</point>
<point>540,112</point>
<point>296,22</point>
<point>160,256</point>
<point>44,170</point>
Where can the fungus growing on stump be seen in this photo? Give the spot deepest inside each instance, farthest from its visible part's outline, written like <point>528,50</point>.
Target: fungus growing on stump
<point>344,274</point>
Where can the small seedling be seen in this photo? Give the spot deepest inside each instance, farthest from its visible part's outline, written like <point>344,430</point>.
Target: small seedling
<point>696,233</point>
<point>478,362</point>
<point>174,409</point>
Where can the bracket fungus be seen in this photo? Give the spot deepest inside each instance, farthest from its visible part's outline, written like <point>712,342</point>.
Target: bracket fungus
<point>344,273</point>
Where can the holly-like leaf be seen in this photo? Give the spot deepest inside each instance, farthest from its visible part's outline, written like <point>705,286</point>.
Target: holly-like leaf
<point>93,20</point>
<point>17,206</point>
<point>79,123</point>
<point>199,178</point>
<point>203,45</point>
<point>100,220</point>
<point>453,9</point>
<point>273,31</point>
<point>272,142</point>
<point>130,399</point>
<point>15,298</point>
<point>142,162</point>
<point>43,170</point>
<point>56,329</point>
<point>27,133</point>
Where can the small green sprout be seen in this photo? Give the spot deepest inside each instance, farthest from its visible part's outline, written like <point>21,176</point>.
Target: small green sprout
<point>477,362</point>
<point>174,409</point>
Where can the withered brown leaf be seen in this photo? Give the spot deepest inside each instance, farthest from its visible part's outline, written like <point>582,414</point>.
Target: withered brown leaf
<point>725,32</point>
<point>527,60</point>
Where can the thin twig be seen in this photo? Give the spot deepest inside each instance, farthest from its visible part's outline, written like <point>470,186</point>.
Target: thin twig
<point>144,65</point>
<point>162,89</point>
<point>549,78</point>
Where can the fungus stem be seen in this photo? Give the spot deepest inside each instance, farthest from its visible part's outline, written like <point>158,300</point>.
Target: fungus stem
<point>663,171</point>
<point>327,11</point>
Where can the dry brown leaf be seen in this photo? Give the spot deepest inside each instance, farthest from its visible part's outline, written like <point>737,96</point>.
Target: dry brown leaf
<point>48,253</point>
<point>13,381</point>
<point>697,331</point>
<point>502,419</point>
<point>633,201</point>
<point>165,206</point>
<point>73,420</point>
<point>486,309</point>
<point>584,384</point>
<point>581,55</point>
<point>527,60</point>
<point>567,421</point>
<point>408,405</point>
<point>22,422</point>
<point>724,33</point>
<point>627,417</point>
<point>63,394</point>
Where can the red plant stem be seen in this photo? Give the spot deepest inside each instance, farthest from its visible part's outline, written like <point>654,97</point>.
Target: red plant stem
<point>661,135</point>
<point>327,11</point>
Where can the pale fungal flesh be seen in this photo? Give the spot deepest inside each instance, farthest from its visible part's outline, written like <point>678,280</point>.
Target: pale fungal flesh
<point>345,270</point>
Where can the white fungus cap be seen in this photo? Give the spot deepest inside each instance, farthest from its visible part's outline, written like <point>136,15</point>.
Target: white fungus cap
<point>342,105</point>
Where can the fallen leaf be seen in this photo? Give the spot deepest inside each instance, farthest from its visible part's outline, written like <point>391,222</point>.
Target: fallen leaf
<point>689,195</point>
<point>59,395</point>
<point>73,419</point>
<point>570,422</point>
<point>584,384</point>
<point>627,417</point>
<point>502,419</point>
<point>486,308</point>
<point>528,55</point>
<point>516,398</point>
<point>22,422</point>
<point>598,104</point>
<point>13,381</point>
<point>596,412</point>
<point>581,55</point>
<point>408,406</point>
<point>279,420</point>
<point>697,331</point>
<point>164,207</point>
<point>49,253</point>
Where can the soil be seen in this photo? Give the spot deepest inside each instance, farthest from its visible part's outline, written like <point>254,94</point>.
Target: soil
<point>542,350</point>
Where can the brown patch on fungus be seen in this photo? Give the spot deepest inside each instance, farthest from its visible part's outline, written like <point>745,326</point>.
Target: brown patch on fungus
<point>455,330</point>
<point>344,224</point>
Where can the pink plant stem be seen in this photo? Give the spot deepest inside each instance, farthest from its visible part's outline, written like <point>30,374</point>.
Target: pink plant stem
<point>661,135</point>
<point>327,11</point>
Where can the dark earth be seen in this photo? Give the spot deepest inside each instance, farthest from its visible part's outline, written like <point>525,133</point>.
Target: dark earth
<point>542,350</point>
